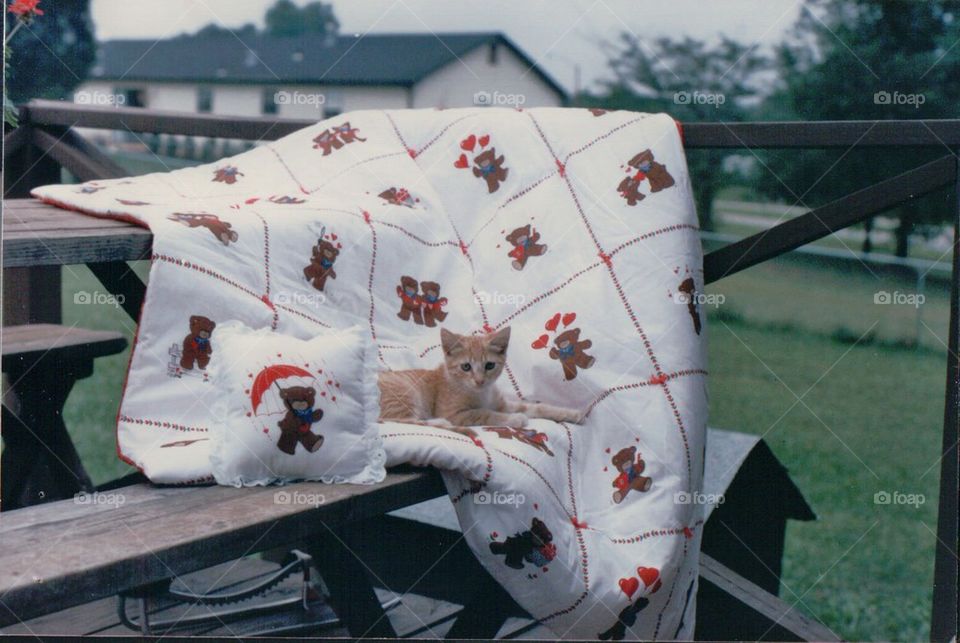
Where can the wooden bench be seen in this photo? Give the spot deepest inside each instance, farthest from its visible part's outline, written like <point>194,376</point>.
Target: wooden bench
<point>42,363</point>
<point>44,143</point>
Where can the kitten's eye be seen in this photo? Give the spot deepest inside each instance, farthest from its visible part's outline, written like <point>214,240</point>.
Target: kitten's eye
<point>489,366</point>
<point>465,367</point>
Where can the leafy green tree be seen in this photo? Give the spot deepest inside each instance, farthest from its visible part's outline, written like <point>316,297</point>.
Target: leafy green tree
<point>692,81</point>
<point>863,59</point>
<point>285,18</point>
<point>52,54</point>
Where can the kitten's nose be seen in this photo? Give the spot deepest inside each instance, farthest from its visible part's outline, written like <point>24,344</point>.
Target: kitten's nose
<point>478,381</point>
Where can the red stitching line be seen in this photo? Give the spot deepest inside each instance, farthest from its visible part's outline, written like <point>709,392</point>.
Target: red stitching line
<point>443,131</point>
<point>350,167</point>
<point>162,424</point>
<point>373,265</point>
<point>653,381</point>
<point>432,244</point>
<point>287,168</point>
<point>602,137</point>
<point>647,235</point>
<point>670,531</point>
<point>673,586</point>
<point>299,313</point>
<point>206,271</point>
<point>545,294</point>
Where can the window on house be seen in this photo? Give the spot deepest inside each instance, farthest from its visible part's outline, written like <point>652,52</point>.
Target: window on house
<point>493,53</point>
<point>132,97</point>
<point>204,99</point>
<point>270,100</point>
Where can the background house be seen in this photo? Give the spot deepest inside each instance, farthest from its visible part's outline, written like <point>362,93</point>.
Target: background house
<point>316,75</point>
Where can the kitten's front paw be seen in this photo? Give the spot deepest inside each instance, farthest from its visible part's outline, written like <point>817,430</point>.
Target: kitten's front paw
<point>443,423</point>
<point>516,420</point>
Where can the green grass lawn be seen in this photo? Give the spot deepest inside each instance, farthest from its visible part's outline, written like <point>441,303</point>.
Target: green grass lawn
<point>869,421</point>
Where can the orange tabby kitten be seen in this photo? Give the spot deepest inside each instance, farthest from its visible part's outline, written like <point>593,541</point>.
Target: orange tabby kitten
<point>461,391</point>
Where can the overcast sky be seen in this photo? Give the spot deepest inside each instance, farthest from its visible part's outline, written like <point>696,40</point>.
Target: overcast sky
<point>558,34</point>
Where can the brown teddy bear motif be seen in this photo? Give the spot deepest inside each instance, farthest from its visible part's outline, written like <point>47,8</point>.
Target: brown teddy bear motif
<point>196,345</point>
<point>297,423</point>
<point>527,436</point>
<point>647,168</point>
<point>630,465</point>
<point>570,351</point>
<point>534,546</point>
<point>336,137</point>
<point>432,303</point>
<point>524,241</point>
<point>488,166</point>
<point>321,264</point>
<point>689,289</point>
<point>222,230</point>
<point>227,174</point>
<point>327,141</point>
<point>410,304</point>
<point>398,196</point>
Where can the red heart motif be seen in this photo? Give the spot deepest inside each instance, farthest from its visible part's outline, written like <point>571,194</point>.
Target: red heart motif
<point>569,319</point>
<point>649,575</point>
<point>629,586</point>
<point>541,342</point>
<point>484,140</point>
<point>468,143</point>
<point>461,162</point>
<point>551,325</point>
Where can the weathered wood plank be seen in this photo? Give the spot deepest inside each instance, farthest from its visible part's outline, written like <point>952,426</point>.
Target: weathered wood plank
<point>79,343</point>
<point>160,532</point>
<point>767,604</point>
<point>39,234</point>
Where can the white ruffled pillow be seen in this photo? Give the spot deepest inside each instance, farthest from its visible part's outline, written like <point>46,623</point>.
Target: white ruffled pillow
<point>293,409</point>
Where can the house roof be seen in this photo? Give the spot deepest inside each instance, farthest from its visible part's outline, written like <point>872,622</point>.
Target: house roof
<point>373,59</point>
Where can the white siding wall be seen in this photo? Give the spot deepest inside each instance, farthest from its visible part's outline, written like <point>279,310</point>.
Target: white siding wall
<point>455,84</point>
<point>505,83</point>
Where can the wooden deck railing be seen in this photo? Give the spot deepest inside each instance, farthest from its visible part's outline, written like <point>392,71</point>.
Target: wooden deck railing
<point>45,141</point>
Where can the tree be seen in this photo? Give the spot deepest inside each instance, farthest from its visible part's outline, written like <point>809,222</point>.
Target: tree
<point>692,81</point>
<point>52,55</point>
<point>863,59</point>
<point>285,18</point>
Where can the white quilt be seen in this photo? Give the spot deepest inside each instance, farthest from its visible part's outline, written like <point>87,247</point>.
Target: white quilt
<point>574,227</point>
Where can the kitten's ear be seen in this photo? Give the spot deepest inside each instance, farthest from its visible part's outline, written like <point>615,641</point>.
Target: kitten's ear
<point>449,341</point>
<point>498,341</point>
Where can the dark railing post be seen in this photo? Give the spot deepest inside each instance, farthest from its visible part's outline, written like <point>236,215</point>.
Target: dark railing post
<point>943,626</point>
<point>30,295</point>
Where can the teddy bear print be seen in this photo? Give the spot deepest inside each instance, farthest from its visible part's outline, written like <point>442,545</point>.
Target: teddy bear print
<point>646,168</point>
<point>689,289</point>
<point>222,230</point>
<point>321,264</point>
<point>626,618</point>
<point>629,466</point>
<point>398,196</point>
<point>432,303</point>
<point>410,303</point>
<point>335,138</point>
<point>196,345</point>
<point>227,174</point>
<point>296,425</point>
<point>569,350</point>
<point>524,241</point>
<point>488,166</point>
<point>534,546</point>
<point>527,436</point>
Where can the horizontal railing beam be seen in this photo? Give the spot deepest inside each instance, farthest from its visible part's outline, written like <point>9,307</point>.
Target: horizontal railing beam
<point>786,134</point>
<point>830,218</point>
<point>134,119</point>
